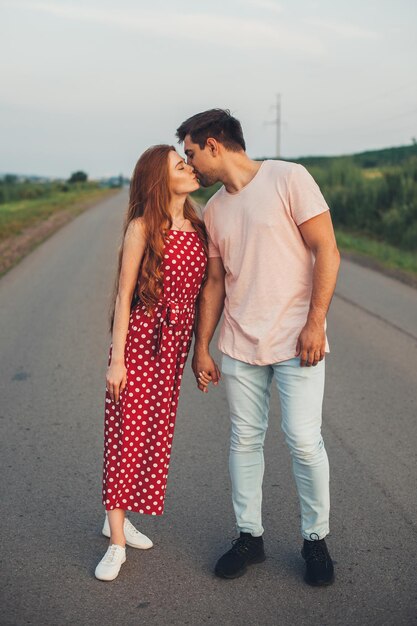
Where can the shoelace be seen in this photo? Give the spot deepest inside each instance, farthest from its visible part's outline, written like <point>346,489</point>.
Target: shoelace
<point>317,552</point>
<point>241,545</point>
<point>110,555</point>
<point>132,529</point>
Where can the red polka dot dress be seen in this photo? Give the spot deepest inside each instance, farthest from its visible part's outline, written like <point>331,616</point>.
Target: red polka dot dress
<point>139,429</point>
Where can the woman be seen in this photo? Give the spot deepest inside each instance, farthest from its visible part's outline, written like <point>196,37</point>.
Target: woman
<point>162,263</point>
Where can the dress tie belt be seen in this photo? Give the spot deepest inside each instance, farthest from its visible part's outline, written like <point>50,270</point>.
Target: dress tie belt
<point>173,315</point>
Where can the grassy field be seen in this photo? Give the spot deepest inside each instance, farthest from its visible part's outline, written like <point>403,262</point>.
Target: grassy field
<point>15,217</point>
<point>402,263</point>
<point>24,224</point>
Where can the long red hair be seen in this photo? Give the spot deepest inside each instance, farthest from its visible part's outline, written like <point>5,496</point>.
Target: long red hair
<point>149,199</point>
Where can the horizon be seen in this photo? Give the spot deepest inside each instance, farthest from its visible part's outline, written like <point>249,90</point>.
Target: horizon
<point>264,158</point>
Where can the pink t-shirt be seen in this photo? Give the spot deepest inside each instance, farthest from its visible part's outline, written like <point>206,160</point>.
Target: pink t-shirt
<point>269,268</point>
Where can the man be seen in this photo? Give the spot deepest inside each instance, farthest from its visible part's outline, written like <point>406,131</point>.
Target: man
<point>273,264</point>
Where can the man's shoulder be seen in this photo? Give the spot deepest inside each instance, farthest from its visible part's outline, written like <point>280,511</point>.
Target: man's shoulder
<point>287,175</point>
<point>282,168</point>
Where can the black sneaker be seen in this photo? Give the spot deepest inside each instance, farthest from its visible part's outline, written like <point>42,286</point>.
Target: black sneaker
<point>319,565</point>
<point>246,551</point>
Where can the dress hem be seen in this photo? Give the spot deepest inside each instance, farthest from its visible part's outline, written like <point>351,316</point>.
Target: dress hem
<point>134,510</point>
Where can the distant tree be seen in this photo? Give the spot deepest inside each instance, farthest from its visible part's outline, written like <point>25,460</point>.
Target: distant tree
<point>10,179</point>
<point>78,177</point>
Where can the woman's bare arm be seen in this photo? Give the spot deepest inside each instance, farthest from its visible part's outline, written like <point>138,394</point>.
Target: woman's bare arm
<point>133,249</point>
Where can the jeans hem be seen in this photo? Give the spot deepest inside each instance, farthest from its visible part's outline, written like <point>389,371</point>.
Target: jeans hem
<point>321,535</point>
<point>251,532</point>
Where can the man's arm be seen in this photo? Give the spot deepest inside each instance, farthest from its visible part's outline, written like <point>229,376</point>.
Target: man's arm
<point>210,307</point>
<point>319,236</point>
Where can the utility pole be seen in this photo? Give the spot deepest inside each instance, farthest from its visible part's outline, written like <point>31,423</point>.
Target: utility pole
<point>277,123</point>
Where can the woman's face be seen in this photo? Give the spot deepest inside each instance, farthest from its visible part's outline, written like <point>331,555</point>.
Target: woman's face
<point>181,176</point>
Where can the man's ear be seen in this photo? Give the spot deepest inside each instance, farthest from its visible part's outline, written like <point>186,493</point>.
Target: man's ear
<point>212,146</point>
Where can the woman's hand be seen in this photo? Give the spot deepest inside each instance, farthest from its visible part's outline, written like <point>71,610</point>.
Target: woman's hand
<point>203,381</point>
<point>116,379</point>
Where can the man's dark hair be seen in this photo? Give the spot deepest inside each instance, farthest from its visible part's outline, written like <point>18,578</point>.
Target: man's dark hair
<point>217,123</point>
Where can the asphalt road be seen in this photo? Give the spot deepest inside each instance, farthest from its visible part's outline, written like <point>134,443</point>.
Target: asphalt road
<point>54,346</point>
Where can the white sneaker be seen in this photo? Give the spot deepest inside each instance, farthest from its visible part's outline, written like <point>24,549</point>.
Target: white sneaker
<point>133,537</point>
<point>110,564</point>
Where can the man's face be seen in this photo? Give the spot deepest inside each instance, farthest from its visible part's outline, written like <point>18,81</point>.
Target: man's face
<point>202,161</point>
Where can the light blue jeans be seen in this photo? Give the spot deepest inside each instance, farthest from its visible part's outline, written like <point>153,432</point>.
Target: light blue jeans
<point>300,389</point>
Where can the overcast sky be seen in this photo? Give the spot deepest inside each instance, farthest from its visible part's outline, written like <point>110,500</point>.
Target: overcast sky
<point>90,84</point>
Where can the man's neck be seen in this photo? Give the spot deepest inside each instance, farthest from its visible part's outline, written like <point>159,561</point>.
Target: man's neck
<point>239,171</point>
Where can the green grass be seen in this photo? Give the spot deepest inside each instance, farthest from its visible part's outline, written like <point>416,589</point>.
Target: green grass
<point>387,255</point>
<point>16,216</point>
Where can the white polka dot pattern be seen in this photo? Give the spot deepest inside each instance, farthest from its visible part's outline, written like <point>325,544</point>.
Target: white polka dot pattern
<point>139,429</point>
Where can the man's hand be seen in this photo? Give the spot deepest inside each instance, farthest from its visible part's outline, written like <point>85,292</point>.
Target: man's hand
<point>205,370</point>
<point>311,344</point>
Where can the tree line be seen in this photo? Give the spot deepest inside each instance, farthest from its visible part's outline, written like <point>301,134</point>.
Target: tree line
<point>380,202</point>
<point>14,188</point>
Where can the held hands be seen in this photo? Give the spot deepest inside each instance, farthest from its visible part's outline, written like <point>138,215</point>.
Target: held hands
<point>116,380</point>
<point>311,344</point>
<point>205,370</point>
